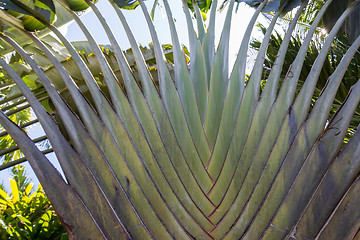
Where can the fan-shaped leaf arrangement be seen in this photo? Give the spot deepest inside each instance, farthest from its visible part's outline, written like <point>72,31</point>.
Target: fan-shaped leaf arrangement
<point>204,154</point>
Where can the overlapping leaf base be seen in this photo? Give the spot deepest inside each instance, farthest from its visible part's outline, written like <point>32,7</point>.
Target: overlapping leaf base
<point>200,154</point>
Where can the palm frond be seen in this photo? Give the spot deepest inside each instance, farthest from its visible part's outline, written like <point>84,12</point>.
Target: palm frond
<point>204,153</point>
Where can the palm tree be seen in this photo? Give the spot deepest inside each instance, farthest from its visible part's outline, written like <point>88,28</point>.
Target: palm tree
<point>205,154</point>
<point>18,109</point>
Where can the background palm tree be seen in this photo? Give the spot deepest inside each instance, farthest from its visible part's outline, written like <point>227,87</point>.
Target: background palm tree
<point>336,53</point>
<point>204,154</point>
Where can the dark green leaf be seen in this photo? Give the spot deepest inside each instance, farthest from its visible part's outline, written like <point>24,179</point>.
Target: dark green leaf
<point>127,4</point>
<point>29,11</point>
<point>8,5</point>
<point>50,4</point>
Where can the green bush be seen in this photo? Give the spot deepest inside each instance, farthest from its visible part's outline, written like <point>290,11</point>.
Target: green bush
<point>27,214</point>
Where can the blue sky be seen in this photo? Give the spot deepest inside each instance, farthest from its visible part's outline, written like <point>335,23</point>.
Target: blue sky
<point>137,23</point>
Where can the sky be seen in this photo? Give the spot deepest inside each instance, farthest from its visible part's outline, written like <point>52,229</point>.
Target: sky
<point>137,23</point>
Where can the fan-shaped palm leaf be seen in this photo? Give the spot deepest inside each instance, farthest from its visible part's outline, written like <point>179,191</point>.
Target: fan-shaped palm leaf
<point>204,156</point>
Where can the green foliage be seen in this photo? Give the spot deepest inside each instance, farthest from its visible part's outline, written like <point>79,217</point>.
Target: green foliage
<point>336,53</point>
<point>127,4</point>
<point>204,5</point>
<point>283,6</point>
<point>12,106</point>
<point>26,213</point>
<point>45,9</point>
